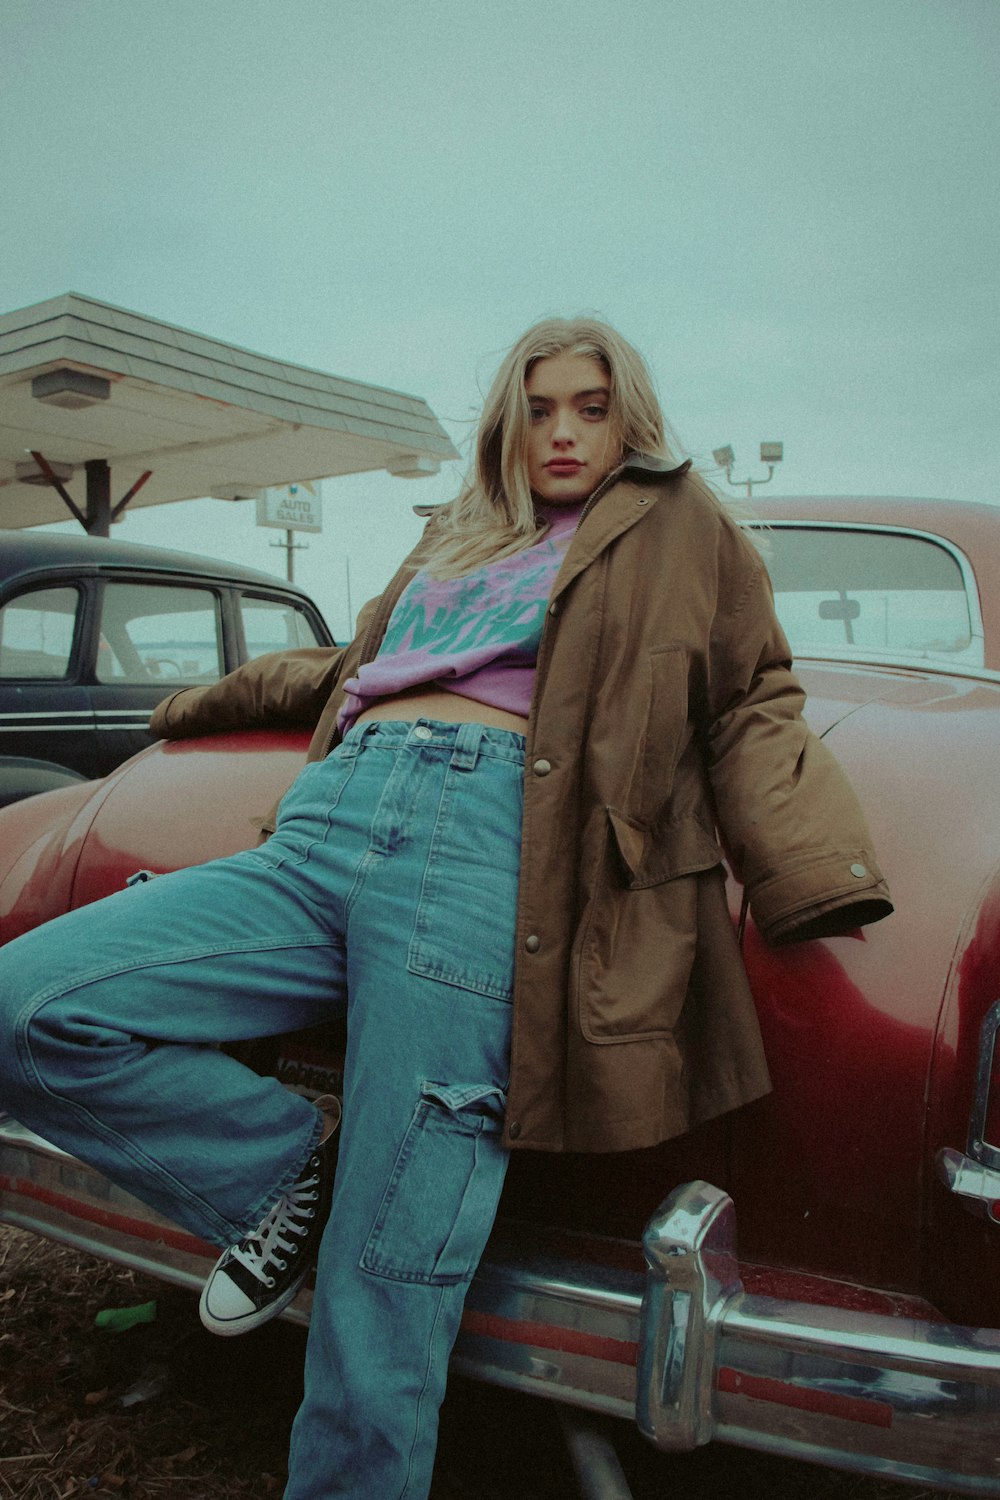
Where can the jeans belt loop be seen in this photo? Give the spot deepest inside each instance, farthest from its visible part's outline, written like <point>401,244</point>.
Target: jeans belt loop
<point>353,740</point>
<point>466,751</point>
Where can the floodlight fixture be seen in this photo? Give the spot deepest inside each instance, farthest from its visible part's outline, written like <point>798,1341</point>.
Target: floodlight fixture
<point>413,466</point>
<point>235,492</point>
<point>70,389</point>
<point>770,454</point>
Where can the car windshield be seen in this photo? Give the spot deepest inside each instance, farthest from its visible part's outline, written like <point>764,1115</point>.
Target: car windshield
<point>852,591</point>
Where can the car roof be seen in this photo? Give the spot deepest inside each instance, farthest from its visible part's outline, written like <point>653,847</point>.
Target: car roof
<point>24,552</point>
<point>972,525</point>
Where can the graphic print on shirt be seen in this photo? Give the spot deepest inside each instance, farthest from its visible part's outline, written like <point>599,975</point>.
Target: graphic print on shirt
<point>499,608</point>
<point>477,635</point>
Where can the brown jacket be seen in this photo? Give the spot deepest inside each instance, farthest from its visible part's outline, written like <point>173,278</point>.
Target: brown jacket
<point>664,708</point>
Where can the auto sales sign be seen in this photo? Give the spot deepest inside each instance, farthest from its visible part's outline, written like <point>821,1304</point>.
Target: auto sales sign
<point>291,507</point>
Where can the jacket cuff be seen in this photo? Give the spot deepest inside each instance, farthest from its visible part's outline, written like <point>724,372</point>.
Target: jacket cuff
<point>829,897</point>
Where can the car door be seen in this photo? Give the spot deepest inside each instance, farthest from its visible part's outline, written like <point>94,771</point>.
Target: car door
<point>151,636</point>
<point>45,706</point>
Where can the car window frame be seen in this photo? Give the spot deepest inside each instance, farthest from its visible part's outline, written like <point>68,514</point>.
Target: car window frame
<point>294,601</point>
<point>75,674</point>
<point>970,660</point>
<point>153,579</point>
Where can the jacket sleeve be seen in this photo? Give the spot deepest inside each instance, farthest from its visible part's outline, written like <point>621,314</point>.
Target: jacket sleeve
<point>283,687</point>
<point>792,825</point>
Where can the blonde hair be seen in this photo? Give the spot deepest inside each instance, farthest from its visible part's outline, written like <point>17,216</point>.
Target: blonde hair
<point>494,513</point>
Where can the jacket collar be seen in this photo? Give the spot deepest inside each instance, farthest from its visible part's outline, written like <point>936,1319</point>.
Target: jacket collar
<point>639,464</point>
<point>624,500</point>
<point>635,466</point>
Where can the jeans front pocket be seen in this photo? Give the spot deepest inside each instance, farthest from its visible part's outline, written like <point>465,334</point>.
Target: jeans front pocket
<point>306,811</point>
<point>463,931</point>
<point>438,1208</point>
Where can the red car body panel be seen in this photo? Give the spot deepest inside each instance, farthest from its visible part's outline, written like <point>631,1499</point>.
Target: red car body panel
<point>873,1041</point>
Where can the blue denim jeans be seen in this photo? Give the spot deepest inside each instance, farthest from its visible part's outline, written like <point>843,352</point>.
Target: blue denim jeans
<point>388,892</point>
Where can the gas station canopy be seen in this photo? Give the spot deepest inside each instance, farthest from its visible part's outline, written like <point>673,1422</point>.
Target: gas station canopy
<point>100,408</point>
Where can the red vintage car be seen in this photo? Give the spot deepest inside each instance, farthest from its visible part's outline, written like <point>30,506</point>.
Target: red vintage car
<point>817,1274</point>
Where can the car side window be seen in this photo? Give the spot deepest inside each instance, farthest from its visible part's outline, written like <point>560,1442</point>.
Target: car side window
<point>36,633</point>
<point>153,633</point>
<point>274,625</point>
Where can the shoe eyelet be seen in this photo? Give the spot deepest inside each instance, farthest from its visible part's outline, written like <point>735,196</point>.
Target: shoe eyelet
<point>270,1282</point>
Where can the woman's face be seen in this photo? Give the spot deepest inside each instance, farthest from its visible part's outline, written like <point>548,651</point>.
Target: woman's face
<point>571,445</point>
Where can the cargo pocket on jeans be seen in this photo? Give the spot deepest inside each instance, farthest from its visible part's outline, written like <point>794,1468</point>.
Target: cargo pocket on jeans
<point>438,1209</point>
<point>463,930</point>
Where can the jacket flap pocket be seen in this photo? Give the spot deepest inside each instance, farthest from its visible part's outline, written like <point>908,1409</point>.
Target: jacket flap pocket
<point>651,856</point>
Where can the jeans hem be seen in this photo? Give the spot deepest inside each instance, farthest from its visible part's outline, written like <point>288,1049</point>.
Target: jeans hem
<point>267,1201</point>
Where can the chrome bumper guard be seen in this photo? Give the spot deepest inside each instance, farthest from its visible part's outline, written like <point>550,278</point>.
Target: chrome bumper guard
<point>683,1349</point>
<point>907,1397</point>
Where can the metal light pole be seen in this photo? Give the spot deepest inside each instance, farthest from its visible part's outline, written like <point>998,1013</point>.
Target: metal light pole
<point>770,454</point>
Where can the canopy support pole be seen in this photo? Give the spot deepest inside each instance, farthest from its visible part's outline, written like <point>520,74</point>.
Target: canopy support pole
<point>97,518</point>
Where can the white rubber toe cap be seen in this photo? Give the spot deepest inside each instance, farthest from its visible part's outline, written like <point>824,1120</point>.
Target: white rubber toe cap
<point>223,1301</point>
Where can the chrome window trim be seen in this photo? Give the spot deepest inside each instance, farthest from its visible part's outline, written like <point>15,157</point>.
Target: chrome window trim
<point>971,658</point>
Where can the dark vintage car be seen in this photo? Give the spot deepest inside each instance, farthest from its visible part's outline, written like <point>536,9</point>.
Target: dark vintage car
<point>94,632</point>
<point>816,1275</point>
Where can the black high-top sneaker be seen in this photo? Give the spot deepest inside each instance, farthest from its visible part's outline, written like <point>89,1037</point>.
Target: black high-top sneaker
<point>256,1279</point>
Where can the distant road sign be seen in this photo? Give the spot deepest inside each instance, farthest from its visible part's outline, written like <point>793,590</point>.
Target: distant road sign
<point>291,507</point>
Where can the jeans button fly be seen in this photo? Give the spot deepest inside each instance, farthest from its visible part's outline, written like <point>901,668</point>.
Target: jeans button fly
<point>422,732</point>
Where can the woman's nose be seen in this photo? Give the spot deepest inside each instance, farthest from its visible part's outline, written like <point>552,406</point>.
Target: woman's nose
<point>562,431</point>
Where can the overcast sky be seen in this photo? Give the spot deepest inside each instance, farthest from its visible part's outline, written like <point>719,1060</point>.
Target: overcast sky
<point>790,206</point>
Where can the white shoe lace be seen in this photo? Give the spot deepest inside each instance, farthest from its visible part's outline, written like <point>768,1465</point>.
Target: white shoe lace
<point>271,1237</point>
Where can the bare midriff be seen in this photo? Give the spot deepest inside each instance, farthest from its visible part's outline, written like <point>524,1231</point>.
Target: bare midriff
<point>447,708</point>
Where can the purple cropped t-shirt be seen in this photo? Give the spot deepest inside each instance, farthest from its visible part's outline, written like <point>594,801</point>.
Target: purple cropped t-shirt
<point>477,635</point>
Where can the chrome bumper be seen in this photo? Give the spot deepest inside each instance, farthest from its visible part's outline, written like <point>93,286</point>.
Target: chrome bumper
<point>903,1396</point>
<point>681,1347</point>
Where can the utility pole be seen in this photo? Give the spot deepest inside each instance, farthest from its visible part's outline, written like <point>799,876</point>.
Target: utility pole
<point>290,548</point>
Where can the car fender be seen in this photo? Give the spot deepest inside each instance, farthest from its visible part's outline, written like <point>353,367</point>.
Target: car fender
<point>22,776</point>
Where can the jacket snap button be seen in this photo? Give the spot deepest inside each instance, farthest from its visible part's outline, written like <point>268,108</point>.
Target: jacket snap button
<point>542,767</point>
<point>554,607</point>
<point>514,1130</point>
<point>532,943</point>
<point>858,870</point>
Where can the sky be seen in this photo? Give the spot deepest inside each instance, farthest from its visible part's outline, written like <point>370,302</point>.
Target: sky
<point>789,206</point>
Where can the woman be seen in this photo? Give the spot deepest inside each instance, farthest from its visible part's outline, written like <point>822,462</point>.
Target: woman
<point>501,862</point>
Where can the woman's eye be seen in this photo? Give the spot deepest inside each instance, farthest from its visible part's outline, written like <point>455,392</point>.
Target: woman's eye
<point>595,411</point>
<point>538,413</point>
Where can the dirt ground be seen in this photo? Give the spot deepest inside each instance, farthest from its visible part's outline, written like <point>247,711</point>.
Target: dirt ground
<point>164,1411</point>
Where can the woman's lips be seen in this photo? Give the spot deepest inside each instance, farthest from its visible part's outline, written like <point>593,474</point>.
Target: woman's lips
<point>562,467</point>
